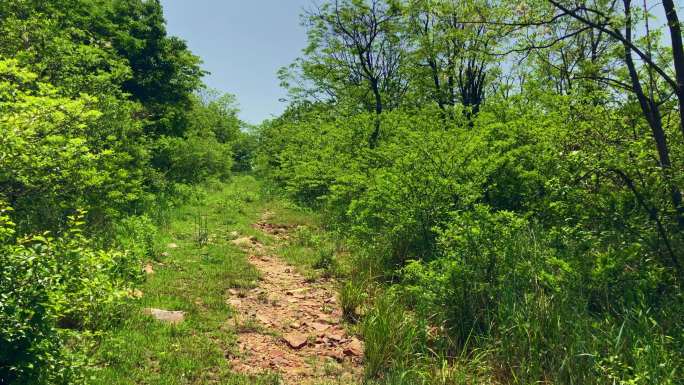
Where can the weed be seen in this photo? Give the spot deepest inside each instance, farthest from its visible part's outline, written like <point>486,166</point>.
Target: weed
<point>201,229</point>
<point>352,296</point>
<point>325,259</point>
<point>393,337</point>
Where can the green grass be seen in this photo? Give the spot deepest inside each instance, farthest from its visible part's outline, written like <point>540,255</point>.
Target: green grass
<point>194,279</point>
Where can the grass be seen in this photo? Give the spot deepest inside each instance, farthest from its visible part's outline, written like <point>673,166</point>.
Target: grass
<point>196,275</point>
<point>193,277</point>
<point>312,249</point>
<point>401,347</point>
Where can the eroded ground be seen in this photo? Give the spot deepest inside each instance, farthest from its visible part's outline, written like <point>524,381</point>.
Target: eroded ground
<point>289,324</point>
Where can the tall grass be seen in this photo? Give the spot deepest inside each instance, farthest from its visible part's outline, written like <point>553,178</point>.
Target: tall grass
<point>534,322</point>
<point>403,349</point>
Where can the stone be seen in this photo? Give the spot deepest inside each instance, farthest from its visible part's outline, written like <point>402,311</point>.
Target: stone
<point>148,269</point>
<point>172,246</point>
<point>169,316</point>
<point>279,362</point>
<point>293,291</point>
<point>336,354</point>
<point>235,302</point>
<point>295,340</point>
<point>355,348</point>
<point>335,335</point>
<point>263,319</point>
<point>320,327</point>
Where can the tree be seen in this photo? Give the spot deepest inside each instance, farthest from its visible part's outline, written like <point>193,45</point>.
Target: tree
<point>357,44</point>
<point>621,29</point>
<point>454,52</point>
<point>615,67</point>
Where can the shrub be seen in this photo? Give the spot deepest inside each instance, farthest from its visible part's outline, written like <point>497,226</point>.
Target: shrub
<point>193,159</point>
<point>58,152</point>
<point>52,288</point>
<point>138,236</point>
<point>244,149</point>
<point>533,230</point>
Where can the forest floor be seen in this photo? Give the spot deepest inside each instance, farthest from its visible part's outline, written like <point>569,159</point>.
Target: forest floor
<point>235,297</point>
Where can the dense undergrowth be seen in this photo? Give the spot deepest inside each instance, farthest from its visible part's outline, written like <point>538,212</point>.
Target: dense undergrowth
<point>530,233</point>
<point>104,127</point>
<point>507,271</point>
<point>506,177</point>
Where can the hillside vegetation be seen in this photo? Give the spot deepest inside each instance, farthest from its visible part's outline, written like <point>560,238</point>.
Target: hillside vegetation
<point>104,125</point>
<point>510,174</point>
<point>493,188</point>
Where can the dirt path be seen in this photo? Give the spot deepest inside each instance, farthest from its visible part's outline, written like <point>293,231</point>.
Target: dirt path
<point>290,325</point>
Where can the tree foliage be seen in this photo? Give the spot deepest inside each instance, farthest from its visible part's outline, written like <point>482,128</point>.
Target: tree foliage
<point>101,118</point>
<point>524,196</point>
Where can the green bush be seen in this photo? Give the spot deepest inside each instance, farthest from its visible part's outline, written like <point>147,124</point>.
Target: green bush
<point>193,159</point>
<point>512,231</point>
<point>138,237</point>
<point>90,94</point>
<point>91,169</point>
<point>53,289</point>
<point>244,149</point>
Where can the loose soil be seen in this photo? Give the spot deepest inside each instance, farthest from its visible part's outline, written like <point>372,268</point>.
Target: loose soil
<point>288,324</point>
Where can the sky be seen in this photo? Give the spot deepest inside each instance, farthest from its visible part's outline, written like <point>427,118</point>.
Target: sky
<point>243,43</point>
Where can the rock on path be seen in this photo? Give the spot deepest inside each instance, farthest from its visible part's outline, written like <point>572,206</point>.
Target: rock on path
<point>173,317</point>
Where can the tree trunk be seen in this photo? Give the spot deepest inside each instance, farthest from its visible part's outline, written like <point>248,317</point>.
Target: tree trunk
<point>438,86</point>
<point>651,111</point>
<point>375,136</point>
<point>677,55</point>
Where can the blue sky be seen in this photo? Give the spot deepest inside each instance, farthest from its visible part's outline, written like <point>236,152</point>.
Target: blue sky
<point>242,44</point>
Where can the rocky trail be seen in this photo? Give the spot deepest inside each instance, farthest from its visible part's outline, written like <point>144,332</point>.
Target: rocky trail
<point>288,324</point>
